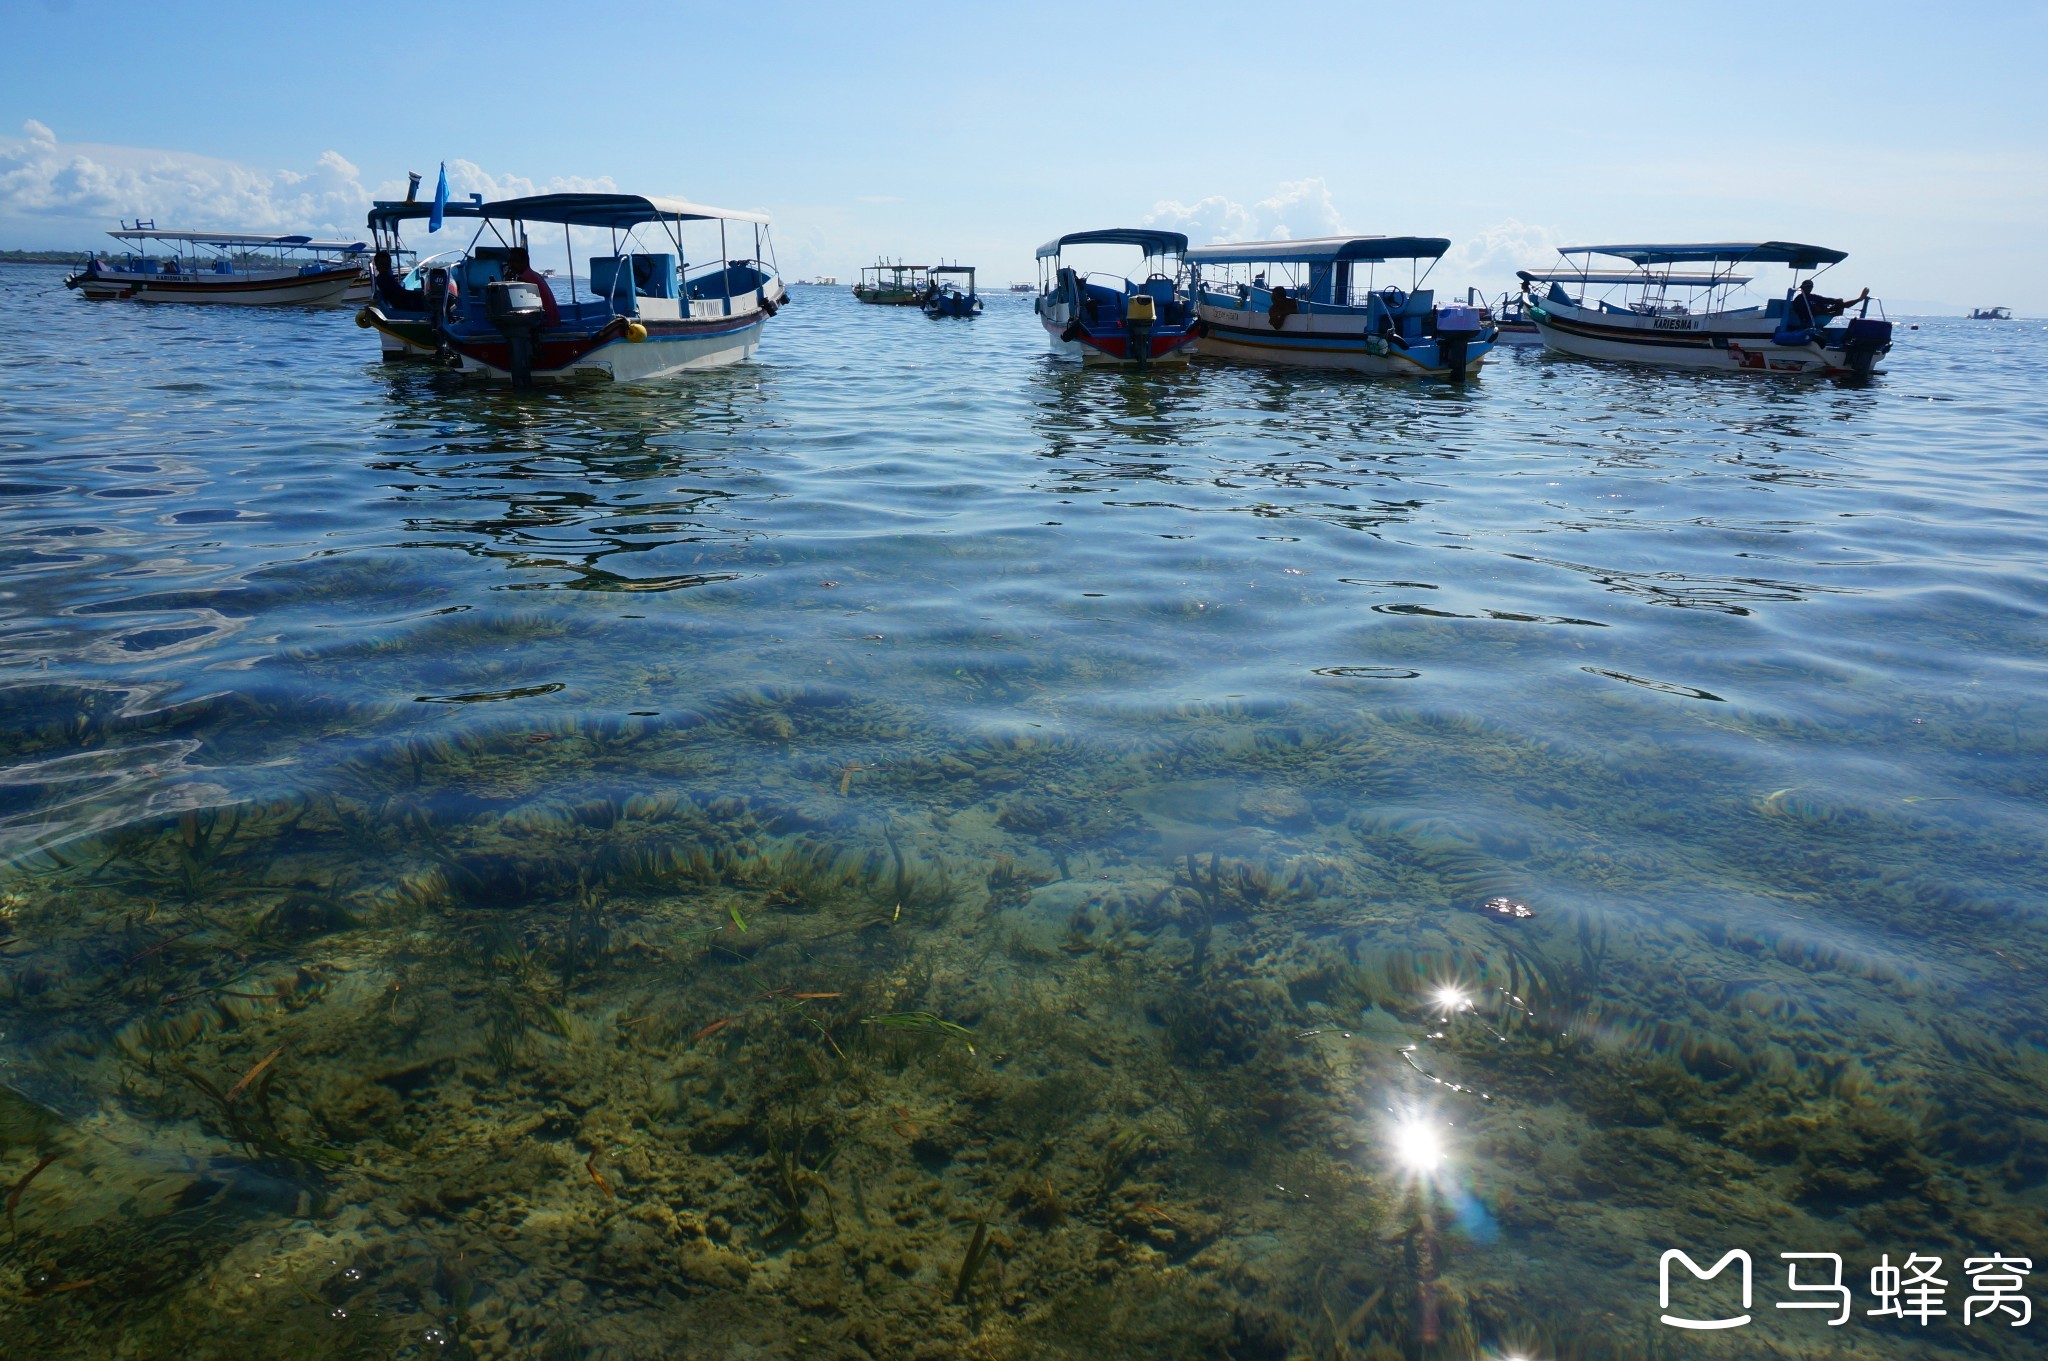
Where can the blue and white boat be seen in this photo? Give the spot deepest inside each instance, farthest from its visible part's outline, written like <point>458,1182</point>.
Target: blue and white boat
<point>945,298</point>
<point>1656,313</point>
<point>1100,318</point>
<point>241,268</point>
<point>641,311</point>
<point>1319,303</point>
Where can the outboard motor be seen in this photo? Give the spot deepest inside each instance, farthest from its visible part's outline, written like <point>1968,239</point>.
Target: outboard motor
<point>1867,341</point>
<point>1141,313</point>
<point>514,308</point>
<point>1457,326</point>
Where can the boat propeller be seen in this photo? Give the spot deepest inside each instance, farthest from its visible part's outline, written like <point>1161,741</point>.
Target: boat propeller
<point>514,307</point>
<point>1141,313</point>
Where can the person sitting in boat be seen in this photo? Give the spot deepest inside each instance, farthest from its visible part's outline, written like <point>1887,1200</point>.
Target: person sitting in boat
<point>519,265</point>
<point>1810,311</point>
<point>394,293</point>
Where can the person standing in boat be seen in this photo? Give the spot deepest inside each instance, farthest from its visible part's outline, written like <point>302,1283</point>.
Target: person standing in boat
<point>1810,311</point>
<point>519,265</point>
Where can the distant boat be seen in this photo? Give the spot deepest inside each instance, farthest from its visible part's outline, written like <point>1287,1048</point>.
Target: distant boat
<point>893,285</point>
<point>1684,319</point>
<point>1315,303</point>
<point>1118,320</point>
<point>826,280</point>
<point>244,268</point>
<point>943,298</point>
<point>641,313</point>
<point>1991,314</point>
<point>1022,286</point>
<point>1511,326</point>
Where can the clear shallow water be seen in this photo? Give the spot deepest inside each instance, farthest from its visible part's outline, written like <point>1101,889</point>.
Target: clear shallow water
<point>898,849</point>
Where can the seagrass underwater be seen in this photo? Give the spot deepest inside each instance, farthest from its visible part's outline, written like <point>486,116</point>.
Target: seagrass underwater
<point>900,848</point>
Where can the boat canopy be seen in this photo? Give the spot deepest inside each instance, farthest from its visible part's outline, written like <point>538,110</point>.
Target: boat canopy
<point>608,210</point>
<point>1321,250</point>
<point>1726,252</point>
<point>387,213</point>
<point>1150,240</point>
<point>1620,276</point>
<point>236,239</point>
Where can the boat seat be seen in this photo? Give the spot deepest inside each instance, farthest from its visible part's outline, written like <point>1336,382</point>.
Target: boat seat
<point>479,270</point>
<point>1774,308</point>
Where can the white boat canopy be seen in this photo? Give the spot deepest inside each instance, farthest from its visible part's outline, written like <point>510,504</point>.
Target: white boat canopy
<point>608,210</point>
<point>236,239</point>
<point>1719,252</point>
<point>1322,250</point>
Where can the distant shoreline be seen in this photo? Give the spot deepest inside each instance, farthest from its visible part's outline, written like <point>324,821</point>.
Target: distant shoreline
<point>44,257</point>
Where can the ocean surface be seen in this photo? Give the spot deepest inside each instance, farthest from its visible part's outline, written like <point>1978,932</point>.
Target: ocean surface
<point>899,849</point>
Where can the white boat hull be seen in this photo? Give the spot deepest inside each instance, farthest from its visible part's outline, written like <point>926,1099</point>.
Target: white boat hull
<point>631,361</point>
<point>1738,342</point>
<point>1313,342</point>
<point>290,290</point>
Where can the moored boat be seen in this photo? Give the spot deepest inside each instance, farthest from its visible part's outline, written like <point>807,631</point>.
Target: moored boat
<point>1991,314</point>
<point>240,268</point>
<point>1108,319</point>
<point>1511,325</point>
<point>944,298</point>
<point>639,313</point>
<point>405,322</point>
<point>1656,313</point>
<point>1331,311</point>
<point>893,285</point>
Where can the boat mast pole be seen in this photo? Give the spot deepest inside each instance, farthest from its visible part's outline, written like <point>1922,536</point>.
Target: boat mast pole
<point>570,247</point>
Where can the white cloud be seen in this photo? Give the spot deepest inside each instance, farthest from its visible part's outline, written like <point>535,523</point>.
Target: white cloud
<point>1501,250</point>
<point>1298,208</point>
<point>76,188</point>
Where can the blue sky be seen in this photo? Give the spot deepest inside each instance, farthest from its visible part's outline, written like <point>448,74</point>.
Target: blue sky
<point>1912,136</point>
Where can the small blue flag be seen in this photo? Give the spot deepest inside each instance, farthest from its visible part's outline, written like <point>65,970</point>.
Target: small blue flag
<point>440,200</point>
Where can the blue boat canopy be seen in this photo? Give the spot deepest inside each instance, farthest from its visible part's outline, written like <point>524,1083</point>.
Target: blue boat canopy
<point>1322,250</point>
<point>1752,252</point>
<point>1151,241</point>
<point>608,210</point>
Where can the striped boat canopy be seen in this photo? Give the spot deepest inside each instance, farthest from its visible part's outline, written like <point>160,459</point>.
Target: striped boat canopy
<point>1728,252</point>
<point>1322,250</point>
<point>1151,240</point>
